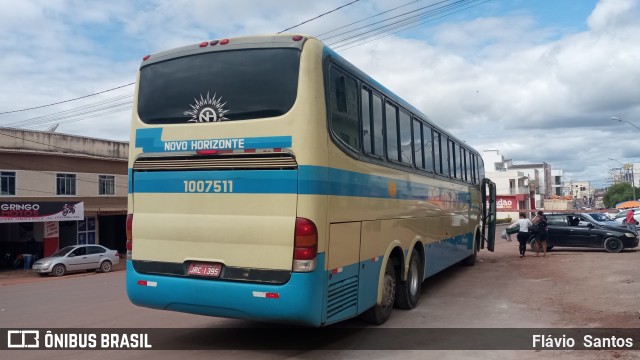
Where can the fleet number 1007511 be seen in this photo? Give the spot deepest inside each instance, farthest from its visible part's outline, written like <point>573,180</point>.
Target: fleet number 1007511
<point>202,186</point>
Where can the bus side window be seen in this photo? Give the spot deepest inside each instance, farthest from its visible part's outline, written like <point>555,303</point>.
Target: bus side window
<point>344,109</point>
<point>378,133</point>
<point>436,153</point>
<point>417,144</point>
<point>391,126</point>
<point>444,141</point>
<point>467,166</point>
<point>405,138</point>
<point>367,134</point>
<point>453,155</point>
<point>427,136</point>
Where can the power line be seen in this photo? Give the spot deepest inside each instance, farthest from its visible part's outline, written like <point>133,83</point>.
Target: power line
<point>370,17</point>
<point>65,101</point>
<point>402,24</point>
<point>405,28</point>
<point>317,17</point>
<point>381,21</point>
<point>62,116</point>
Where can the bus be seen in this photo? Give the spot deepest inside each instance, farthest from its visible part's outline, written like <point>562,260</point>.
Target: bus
<point>272,180</point>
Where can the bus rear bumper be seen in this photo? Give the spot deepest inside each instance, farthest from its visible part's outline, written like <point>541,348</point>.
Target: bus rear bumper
<point>299,301</point>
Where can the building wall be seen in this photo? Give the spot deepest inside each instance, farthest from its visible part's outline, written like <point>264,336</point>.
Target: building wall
<point>62,143</point>
<point>30,183</point>
<point>36,157</point>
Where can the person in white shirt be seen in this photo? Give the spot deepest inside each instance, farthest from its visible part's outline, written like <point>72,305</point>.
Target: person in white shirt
<point>523,233</point>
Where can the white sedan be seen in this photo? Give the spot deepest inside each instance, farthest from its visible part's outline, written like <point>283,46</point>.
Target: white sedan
<point>77,257</point>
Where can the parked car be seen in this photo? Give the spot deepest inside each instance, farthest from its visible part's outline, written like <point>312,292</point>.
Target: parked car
<point>580,230</point>
<point>77,257</point>
<point>603,218</point>
<point>620,217</point>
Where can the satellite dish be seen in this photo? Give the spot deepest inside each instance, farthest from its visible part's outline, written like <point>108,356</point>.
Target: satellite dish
<point>53,128</point>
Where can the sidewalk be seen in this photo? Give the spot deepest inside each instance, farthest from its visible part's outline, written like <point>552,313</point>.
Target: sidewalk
<point>19,276</point>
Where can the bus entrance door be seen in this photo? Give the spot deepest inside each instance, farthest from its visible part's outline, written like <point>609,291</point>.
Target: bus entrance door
<point>488,214</point>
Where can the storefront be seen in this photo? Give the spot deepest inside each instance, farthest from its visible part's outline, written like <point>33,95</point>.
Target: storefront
<point>54,225</point>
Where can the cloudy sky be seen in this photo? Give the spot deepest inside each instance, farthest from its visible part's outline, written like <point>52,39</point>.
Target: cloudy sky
<point>538,80</point>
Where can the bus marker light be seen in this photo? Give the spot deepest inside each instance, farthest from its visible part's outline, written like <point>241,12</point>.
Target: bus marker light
<point>224,41</point>
<point>297,38</point>
<point>206,152</point>
<point>375,259</point>
<point>147,283</point>
<point>146,58</point>
<point>214,43</point>
<point>266,295</point>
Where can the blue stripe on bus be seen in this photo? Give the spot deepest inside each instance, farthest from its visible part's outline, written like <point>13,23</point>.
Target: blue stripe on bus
<point>300,300</point>
<point>150,140</point>
<point>228,181</point>
<point>442,254</point>
<point>320,180</point>
<point>308,180</point>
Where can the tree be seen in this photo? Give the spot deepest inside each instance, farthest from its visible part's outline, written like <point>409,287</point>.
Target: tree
<point>617,193</point>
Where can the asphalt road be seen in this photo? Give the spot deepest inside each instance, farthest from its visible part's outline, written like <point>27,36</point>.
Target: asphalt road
<point>567,289</point>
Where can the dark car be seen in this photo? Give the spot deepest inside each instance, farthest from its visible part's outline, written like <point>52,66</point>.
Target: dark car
<point>580,230</point>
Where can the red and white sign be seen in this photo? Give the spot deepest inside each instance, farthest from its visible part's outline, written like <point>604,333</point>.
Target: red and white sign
<point>51,237</point>
<point>506,203</point>
<point>14,212</point>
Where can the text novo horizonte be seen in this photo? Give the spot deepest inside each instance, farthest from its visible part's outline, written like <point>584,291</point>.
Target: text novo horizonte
<point>209,144</point>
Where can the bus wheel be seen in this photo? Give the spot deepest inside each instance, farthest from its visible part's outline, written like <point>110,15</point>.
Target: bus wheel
<point>380,313</point>
<point>409,291</point>
<point>471,259</point>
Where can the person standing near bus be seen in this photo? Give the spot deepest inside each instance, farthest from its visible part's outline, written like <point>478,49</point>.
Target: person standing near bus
<point>631,221</point>
<point>540,222</point>
<point>523,234</point>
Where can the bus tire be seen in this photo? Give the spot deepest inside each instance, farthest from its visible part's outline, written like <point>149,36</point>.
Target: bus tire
<point>471,259</point>
<point>408,291</point>
<point>379,313</point>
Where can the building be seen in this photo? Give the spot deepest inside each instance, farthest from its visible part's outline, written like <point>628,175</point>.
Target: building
<point>557,184</point>
<point>542,179</point>
<point>61,190</point>
<point>583,194</point>
<point>629,173</point>
<point>515,188</point>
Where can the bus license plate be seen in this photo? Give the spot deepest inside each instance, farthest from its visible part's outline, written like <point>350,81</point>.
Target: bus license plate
<point>211,270</point>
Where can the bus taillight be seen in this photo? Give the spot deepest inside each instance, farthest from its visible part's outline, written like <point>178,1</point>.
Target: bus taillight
<point>305,245</point>
<point>129,232</point>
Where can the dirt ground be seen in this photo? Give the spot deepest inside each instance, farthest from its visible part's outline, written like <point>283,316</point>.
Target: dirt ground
<point>574,287</point>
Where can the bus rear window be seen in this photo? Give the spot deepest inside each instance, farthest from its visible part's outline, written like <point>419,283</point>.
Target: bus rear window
<point>219,86</point>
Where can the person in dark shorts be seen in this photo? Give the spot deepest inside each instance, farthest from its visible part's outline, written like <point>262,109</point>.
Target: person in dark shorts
<point>523,234</point>
<point>542,233</point>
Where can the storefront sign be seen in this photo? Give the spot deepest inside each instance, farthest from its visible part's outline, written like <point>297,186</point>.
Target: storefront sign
<point>506,203</point>
<point>15,212</point>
